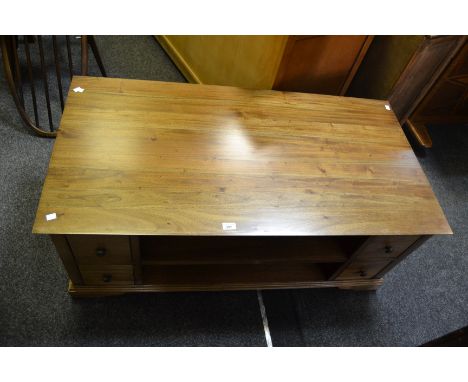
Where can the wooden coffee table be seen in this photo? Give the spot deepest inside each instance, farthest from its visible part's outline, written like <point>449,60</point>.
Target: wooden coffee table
<point>156,186</point>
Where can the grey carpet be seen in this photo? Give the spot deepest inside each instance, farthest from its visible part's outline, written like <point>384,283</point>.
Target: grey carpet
<point>423,298</point>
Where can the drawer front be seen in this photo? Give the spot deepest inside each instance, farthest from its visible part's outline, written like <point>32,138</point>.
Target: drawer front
<point>385,247</point>
<point>100,250</point>
<point>111,275</point>
<point>362,270</point>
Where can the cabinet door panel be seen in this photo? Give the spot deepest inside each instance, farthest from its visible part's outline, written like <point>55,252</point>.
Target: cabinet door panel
<point>321,64</point>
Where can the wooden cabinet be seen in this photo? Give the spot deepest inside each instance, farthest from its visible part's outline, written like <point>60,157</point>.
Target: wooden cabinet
<point>433,87</point>
<point>246,61</point>
<point>383,64</point>
<point>313,64</point>
<point>423,77</point>
<point>375,255</point>
<point>156,186</point>
<point>446,101</point>
<point>235,263</point>
<point>321,64</point>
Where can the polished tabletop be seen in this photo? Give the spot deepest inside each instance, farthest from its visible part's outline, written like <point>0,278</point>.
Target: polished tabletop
<point>156,158</point>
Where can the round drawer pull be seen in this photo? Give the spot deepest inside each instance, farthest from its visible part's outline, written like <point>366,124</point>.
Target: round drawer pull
<point>388,249</point>
<point>107,278</point>
<point>362,273</point>
<point>100,252</point>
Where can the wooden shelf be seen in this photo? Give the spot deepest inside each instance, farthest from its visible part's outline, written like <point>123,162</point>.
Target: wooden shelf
<point>233,263</point>
<point>166,250</point>
<point>231,277</point>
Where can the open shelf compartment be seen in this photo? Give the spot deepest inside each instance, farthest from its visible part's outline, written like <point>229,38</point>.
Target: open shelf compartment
<point>196,250</point>
<point>232,262</point>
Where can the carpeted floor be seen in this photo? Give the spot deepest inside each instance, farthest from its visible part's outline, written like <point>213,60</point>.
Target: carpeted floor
<point>425,297</point>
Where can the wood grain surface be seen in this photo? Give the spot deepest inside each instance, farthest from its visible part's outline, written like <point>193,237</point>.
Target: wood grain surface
<point>153,158</point>
<point>321,64</point>
<point>246,61</point>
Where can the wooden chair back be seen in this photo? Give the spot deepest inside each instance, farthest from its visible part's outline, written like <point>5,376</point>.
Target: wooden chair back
<point>26,65</point>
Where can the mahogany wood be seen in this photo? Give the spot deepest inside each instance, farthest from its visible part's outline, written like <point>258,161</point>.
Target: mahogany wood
<point>106,290</point>
<point>100,249</point>
<point>324,191</point>
<point>433,88</point>
<point>109,275</point>
<point>362,269</point>
<point>167,250</point>
<point>321,64</point>
<point>419,130</point>
<point>68,260</point>
<point>145,158</point>
<point>373,255</point>
<point>426,65</point>
<point>403,255</point>
<point>315,64</point>
<point>385,247</point>
<point>136,258</point>
<point>447,100</point>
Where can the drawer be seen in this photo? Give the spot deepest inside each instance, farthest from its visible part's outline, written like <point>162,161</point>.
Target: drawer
<point>100,250</point>
<point>362,270</point>
<point>110,275</point>
<point>385,247</point>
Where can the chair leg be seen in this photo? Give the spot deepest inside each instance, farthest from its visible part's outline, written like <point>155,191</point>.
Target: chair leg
<point>420,132</point>
<point>84,55</point>
<point>94,48</point>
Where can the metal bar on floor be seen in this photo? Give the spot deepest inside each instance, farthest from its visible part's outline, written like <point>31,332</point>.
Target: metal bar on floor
<point>266,328</point>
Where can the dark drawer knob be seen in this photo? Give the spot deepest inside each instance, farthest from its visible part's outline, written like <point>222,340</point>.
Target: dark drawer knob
<point>362,273</point>
<point>100,252</point>
<point>388,249</point>
<point>107,278</point>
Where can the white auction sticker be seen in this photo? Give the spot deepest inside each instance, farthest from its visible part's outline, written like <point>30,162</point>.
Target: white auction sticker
<point>78,90</point>
<point>229,226</point>
<point>51,216</point>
